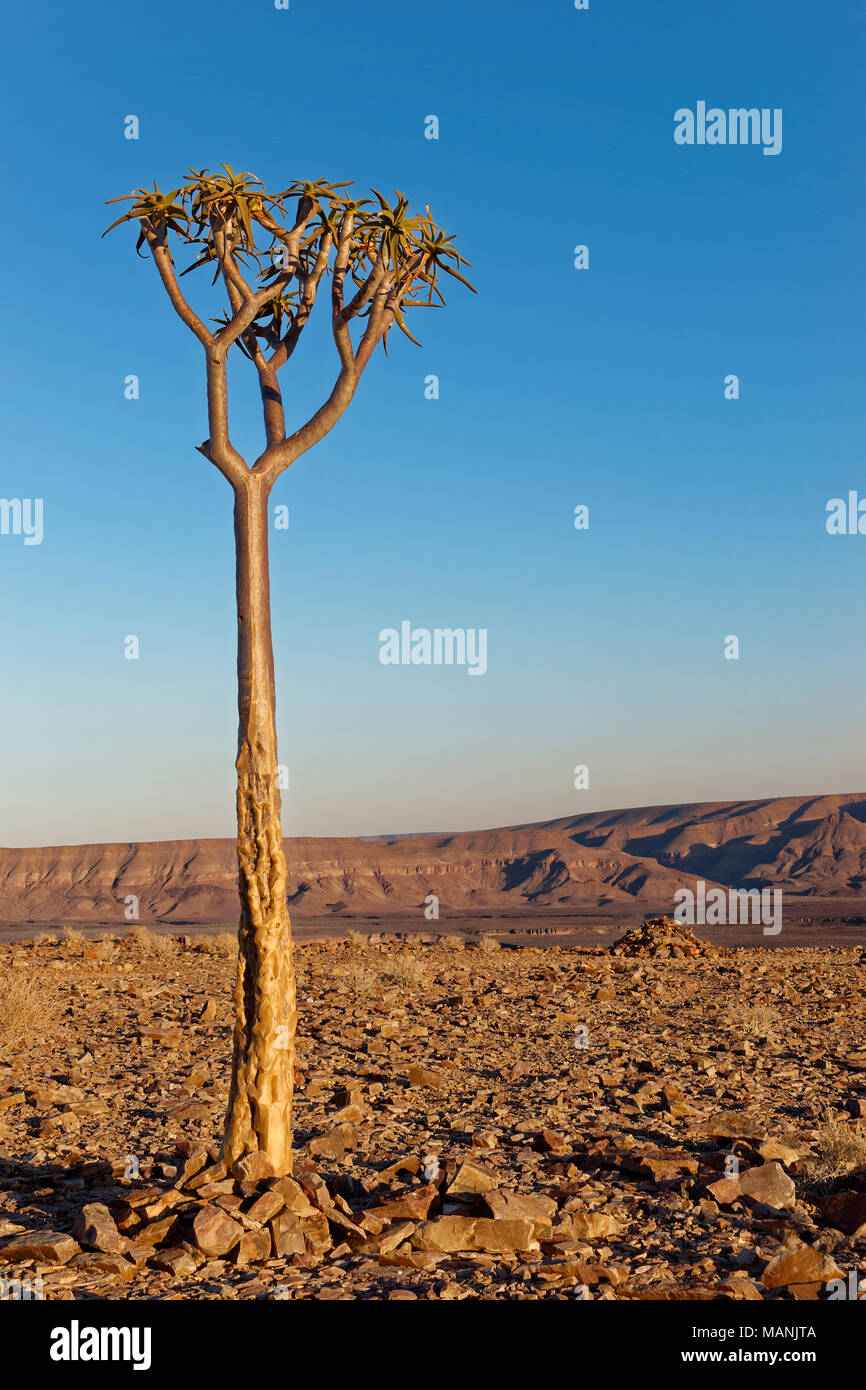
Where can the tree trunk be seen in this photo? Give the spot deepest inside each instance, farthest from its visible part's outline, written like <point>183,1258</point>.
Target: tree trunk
<point>259,1118</point>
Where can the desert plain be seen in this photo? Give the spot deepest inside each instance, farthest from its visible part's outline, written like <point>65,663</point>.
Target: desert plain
<point>649,1116</point>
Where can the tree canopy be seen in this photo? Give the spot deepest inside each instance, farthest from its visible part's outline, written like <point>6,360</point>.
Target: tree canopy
<point>272,251</point>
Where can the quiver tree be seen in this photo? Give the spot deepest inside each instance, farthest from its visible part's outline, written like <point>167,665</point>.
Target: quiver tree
<point>270,264</point>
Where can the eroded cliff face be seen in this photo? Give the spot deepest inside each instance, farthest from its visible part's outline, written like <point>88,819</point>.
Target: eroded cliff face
<point>807,845</point>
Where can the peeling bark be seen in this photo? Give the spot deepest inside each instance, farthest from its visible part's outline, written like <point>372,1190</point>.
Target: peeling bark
<point>259,1117</point>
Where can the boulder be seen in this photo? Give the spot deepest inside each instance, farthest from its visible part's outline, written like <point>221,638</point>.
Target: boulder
<point>215,1233</point>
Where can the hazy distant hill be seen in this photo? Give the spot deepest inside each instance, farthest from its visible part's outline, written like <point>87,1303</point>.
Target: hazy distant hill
<point>811,846</point>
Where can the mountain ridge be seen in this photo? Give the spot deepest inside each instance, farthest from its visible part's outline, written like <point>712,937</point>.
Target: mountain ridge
<point>813,846</point>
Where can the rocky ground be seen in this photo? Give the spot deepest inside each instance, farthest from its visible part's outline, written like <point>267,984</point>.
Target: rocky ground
<point>663,1120</point>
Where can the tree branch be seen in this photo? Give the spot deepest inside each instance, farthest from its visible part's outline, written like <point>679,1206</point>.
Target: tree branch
<point>339,326</point>
<point>269,386</point>
<point>218,447</point>
<point>162,260</point>
<point>244,301</point>
<point>277,458</point>
<point>283,352</point>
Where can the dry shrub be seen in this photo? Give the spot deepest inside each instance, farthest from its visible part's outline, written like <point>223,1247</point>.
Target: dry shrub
<point>754,1018</point>
<point>840,1152</point>
<point>73,937</point>
<point>761,1020</point>
<point>356,940</point>
<point>403,970</point>
<point>29,1010</point>
<point>149,943</point>
<point>107,947</point>
<point>225,943</point>
<point>489,943</point>
<point>359,978</point>
<point>45,938</point>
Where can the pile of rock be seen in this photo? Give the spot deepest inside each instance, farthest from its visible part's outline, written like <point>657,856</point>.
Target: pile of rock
<point>247,1216</point>
<point>664,938</point>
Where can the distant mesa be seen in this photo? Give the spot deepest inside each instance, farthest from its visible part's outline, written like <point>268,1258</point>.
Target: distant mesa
<point>811,847</point>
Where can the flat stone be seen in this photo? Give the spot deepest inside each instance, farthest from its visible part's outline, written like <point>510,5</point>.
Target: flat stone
<point>215,1232</point>
<point>265,1207</point>
<point>510,1206</point>
<point>551,1141</point>
<point>411,1206</point>
<point>214,1173</point>
<point>173,1261</point>
<point>51,1247</point>
<point>433,1080</point>
<point>770,1185</point>
<point>317,1233</point>
<point>328,1145</point>
<point>387,1240</point>
<point>772,1150</point>
<point>209,1190</point>
<point>316,1190</point>
<point>253,1247</point>
<point>503,1236</point>
<point>157,1232</point>
<point>666,1169</point>
<point>287,1237</point>
<point>593,1225</point>
<point>471,1178</point>
<point>725,1191</point>
<point>253,1167</point>
<point>194,1163</point>
<point>294,1197</point>
<point>734,1124</point>
<point>97,1262</point>
<point>800,1265</point>
<point>447,1234</point>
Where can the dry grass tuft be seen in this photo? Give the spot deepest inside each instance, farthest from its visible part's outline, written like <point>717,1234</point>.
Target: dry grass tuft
<point>149,943</point>
<point>225,944</point>
<point>29,1010</point>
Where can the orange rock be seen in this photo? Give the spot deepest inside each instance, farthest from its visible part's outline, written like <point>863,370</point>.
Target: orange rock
<point>800,1265</point>
<point>433,1080</point>
<point>847,1212</point>
<point>51,1247</point>
<point>215,1232</point>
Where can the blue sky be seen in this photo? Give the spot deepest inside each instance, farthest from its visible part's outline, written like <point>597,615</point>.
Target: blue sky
<point>557,387</point>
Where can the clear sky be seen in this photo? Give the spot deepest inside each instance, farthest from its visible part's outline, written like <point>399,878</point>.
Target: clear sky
<point>558,387</point>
